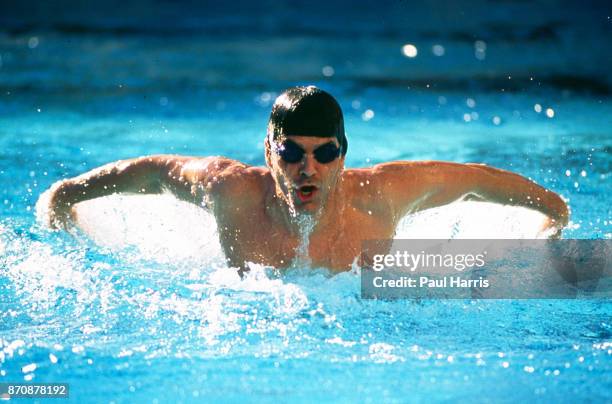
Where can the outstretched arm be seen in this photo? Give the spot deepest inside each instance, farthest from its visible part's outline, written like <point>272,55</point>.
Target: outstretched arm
<point>188,178</point>
<point>415,186</point>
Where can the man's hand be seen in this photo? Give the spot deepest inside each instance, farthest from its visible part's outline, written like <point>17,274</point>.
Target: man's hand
<point>59,214</point>
<point>56,205</point>
<point>552,228</point>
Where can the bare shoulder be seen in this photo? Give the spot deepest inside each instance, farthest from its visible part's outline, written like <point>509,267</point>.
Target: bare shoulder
<point>241,178</point>
<point>379,174</point>
<point>207,178</point>
<point>362,187</point>
<point>421,172</point>
<point>389,187</point>
<point>236,182</point>
<point>207,170</point>
<point>204,167</point>
<point>353,177</point>
<point>404,167</point>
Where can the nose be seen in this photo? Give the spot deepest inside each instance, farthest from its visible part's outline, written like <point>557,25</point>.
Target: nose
<point>308,166</point>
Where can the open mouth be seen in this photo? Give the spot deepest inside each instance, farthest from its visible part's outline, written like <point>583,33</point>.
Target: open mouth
<point>306,192</point>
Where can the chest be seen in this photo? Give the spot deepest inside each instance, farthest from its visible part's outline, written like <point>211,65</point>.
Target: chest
<point>254,237</point>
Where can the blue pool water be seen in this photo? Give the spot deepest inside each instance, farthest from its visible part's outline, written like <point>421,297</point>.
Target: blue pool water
<point>80,87</point>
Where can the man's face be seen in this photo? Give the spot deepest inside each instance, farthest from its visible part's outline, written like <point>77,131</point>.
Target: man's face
<point>305,184</point>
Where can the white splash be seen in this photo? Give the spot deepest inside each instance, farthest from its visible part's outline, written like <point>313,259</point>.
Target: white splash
<point>166,229</point>
<point>306,224</point>
<point>159,226</point>
<point>472,220</point>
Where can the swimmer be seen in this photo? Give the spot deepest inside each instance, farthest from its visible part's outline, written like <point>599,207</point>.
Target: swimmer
<point>257,209</point>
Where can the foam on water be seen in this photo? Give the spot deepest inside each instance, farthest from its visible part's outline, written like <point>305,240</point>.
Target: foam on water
<point>165,229</point>
<point>170,299</point>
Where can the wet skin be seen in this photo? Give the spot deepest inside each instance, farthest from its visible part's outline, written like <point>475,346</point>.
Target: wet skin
<point>256,207</point>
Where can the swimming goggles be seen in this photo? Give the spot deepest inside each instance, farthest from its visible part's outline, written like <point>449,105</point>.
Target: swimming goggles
<point>291,153</point>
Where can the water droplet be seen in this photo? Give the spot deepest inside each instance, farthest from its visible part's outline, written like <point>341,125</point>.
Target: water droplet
<point>367,115</point>
<point>328,71</point>
<point>550,112</point>
<point>33,42</point>
<point>438,50</point>
<point>29,368</point>
<point>77,349</point>
<point>480,50</point>
<point>409,50</point>
<point>480,45</point>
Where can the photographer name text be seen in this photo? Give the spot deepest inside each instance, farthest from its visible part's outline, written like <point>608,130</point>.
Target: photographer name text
<point>427,282</point>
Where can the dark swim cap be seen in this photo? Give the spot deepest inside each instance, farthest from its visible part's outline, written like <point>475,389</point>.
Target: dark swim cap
<point>307,111</point>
